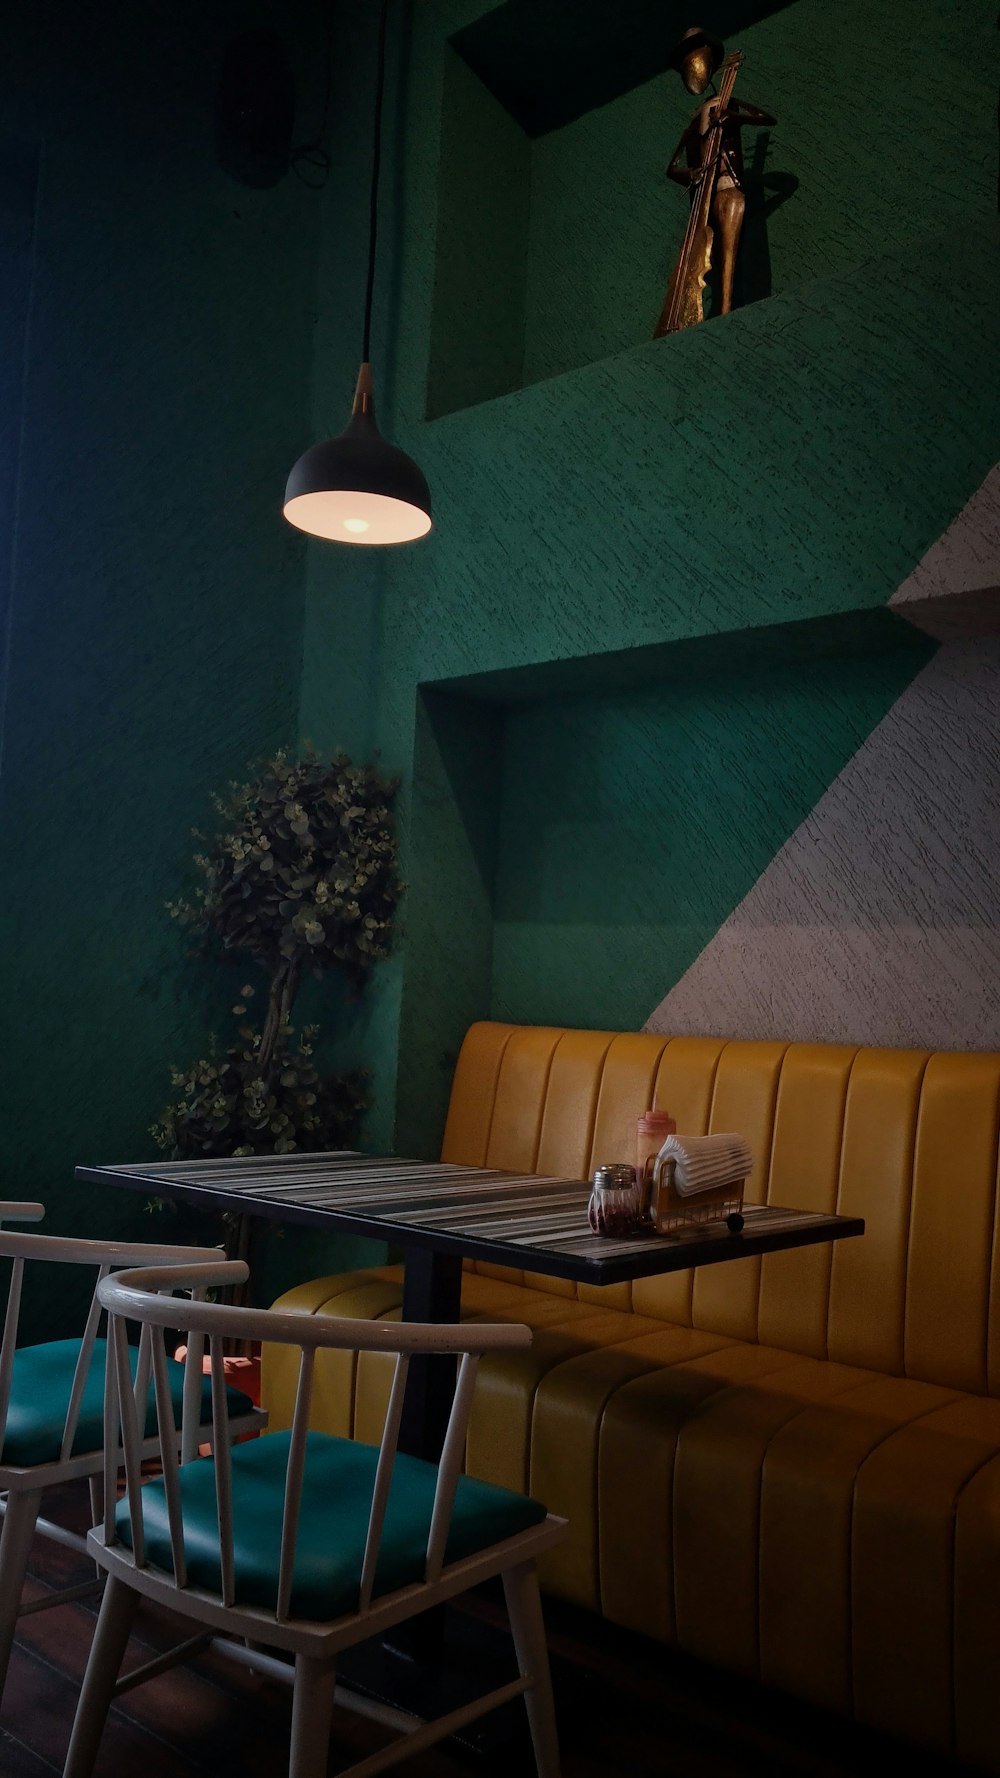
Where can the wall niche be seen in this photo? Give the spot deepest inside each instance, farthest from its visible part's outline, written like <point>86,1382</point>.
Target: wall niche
<point>552,252</point>
<point>557,227</point>
<point>580,829</point>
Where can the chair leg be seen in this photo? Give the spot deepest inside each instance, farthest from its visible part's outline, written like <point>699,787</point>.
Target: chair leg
<point>312,1709</point>
<point>19,1522</point>
<point>524,1609</point>
<point>107,1652</point>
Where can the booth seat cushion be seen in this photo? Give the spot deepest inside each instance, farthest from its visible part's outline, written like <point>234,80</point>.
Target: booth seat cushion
<point>40,1393</point>
<point>791,1466</point>
<point>350,1391</point>
<point>832,1531</point>
<point>707,1480</point>
<point>337,1489</point>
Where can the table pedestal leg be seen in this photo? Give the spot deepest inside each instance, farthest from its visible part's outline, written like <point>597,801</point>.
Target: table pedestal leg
<point>432,1291</point>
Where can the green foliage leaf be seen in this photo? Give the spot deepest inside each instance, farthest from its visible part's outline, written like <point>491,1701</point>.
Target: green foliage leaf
<point>225,1108</point>
<point>304,869</point>
<point>303,873</point>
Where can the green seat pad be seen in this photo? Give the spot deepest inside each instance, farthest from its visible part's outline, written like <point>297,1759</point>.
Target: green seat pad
<point>333,1524</point>
<point>39,1398</point>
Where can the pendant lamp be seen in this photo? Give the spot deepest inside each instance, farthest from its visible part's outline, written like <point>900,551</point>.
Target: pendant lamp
<point>357,487</point>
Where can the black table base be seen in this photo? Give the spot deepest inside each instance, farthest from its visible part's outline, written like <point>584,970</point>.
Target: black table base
<point>432,1291</point>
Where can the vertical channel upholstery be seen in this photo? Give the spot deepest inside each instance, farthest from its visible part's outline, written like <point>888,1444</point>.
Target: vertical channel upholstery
<point>685,1082</point>
<point>628,1074</point>
<point>805,1171</point>
<point>868,1283</point>
<point>952,1210</point>
<point>518,1107</point>
<point>744,1098</point>
<point>473,1094</point>
<point>790,1466</point>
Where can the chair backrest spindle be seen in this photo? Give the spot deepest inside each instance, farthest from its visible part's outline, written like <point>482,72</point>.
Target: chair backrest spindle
<point>130,1437</point>
<point>112,1435</point>
<point>143,1371</point>
<point>82,1369</point>
<point>8,1344</point>
<point>449,1468</point>
<point>194,1370</point>
<point>293,1481</point>
<point>223,1468</point>
<point>167,1429</point>
<point>383,1480</point>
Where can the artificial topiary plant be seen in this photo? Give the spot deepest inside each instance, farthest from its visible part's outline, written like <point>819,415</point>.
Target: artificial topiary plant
<point>304,876</point>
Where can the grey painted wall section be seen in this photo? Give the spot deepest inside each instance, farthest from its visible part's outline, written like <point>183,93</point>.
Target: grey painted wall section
<point>954,590</point>
<point>879,920</point>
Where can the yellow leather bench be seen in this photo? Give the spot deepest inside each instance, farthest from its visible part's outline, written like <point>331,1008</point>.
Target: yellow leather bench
<point>789,1466</point>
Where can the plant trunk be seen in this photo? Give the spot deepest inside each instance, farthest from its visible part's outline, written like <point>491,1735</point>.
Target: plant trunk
<point>284,987</point>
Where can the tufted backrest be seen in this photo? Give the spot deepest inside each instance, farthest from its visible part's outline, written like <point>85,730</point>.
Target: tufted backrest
<point>906,1139</point>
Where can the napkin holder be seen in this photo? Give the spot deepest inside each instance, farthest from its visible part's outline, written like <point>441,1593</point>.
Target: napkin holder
<point>669,1213</point>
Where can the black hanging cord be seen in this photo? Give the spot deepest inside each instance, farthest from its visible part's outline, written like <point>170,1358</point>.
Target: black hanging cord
<point>376,167</point>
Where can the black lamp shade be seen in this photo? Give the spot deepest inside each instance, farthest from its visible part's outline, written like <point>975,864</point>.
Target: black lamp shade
<point>358,488</point>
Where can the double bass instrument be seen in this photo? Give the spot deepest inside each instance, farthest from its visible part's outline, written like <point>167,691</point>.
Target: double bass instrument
<point>684,303</point>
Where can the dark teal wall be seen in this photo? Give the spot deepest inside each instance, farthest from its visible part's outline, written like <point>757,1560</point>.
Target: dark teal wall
<point>163,362</point>
<point>786,465</point>
<point>172,339</point>
<point>630,825</point>
<point>484,216</point>
<point>882,129</point>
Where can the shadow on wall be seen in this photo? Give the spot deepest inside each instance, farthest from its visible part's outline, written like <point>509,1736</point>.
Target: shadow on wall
<point>765,193</point>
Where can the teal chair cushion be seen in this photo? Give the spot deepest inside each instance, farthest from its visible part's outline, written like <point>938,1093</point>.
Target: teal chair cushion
<point>333,1525</point>
<point>39,1398</point>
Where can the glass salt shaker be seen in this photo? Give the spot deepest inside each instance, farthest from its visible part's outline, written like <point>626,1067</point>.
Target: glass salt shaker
<point>614,1200</point>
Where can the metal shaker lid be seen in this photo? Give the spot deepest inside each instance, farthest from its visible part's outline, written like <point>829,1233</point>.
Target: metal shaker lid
<point>614,1174</point>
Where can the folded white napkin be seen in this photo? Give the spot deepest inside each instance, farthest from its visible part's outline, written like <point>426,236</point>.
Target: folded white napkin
<point>703,1162</point>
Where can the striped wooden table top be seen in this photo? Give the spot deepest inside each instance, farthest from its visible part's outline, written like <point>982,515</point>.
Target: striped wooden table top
<point>517,1219</point>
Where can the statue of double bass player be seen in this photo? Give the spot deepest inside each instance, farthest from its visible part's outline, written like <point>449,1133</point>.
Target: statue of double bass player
<point>709,160</point>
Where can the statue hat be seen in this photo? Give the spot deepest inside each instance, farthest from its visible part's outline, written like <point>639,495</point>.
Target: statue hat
<point>696,38</point>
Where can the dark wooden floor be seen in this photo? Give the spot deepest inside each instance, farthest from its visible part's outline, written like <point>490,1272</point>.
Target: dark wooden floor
<point>626,1706</point>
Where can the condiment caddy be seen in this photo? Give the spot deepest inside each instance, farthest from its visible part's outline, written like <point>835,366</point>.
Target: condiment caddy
<point>625,1200</point>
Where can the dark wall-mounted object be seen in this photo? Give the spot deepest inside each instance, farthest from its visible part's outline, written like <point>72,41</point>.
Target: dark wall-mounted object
<point>255,109</point>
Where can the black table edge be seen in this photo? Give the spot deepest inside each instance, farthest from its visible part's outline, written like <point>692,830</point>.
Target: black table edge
<point>606,1270</point>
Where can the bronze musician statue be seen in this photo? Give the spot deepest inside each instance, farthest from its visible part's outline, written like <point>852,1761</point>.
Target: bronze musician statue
<point>709,160</point>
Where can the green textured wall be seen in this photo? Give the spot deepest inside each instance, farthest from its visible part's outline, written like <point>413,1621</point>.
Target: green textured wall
<point>783,466</point>
<point>666,515</point>
<point>848,172</point>
<point>483,247</point>
<point>156,596</point>
<point>630,826</point>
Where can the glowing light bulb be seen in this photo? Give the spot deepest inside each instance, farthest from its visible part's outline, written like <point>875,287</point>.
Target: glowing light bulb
<point>356,525</point>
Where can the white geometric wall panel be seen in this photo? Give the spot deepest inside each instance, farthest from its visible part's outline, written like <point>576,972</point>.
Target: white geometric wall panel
<point>955,590</point>
<point>878,921</point>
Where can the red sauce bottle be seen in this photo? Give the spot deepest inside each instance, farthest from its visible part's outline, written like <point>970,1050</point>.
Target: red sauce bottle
<point>651,1133</point>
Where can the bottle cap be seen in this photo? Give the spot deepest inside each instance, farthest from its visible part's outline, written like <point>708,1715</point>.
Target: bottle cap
<point>652,1122</point>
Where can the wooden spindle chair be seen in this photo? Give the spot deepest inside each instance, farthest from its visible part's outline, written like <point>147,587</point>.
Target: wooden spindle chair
<point>300,1542</point>
<point>52,1412</point>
